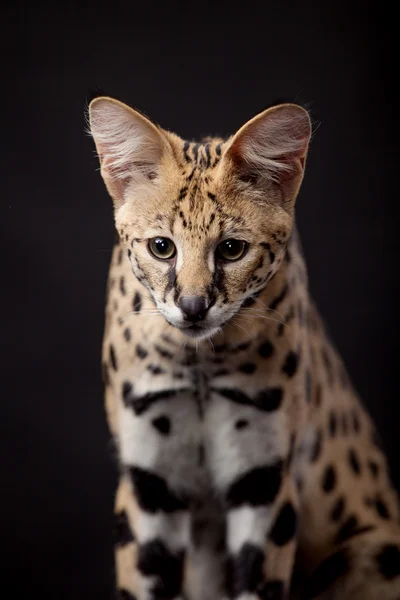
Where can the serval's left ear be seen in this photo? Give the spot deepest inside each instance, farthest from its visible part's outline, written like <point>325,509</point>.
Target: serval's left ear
<point>272,147</point>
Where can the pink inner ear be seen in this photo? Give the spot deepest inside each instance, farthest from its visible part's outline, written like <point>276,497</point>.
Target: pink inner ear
<point>274,144</point>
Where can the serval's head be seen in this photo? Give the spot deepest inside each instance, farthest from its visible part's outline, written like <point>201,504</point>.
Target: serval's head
<point>205,225</point>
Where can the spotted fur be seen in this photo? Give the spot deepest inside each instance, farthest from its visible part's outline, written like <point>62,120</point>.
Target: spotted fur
<point>249,468</point>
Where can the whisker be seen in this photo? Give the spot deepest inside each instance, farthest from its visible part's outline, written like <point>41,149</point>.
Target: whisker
<point>212,345</point>
<point>237,325</point>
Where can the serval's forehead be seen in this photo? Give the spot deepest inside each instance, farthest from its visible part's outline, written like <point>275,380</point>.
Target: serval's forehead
<point>204,155</point>
<point>199,207</point>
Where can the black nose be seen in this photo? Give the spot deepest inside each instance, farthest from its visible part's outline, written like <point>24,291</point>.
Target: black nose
<point>193,307</point>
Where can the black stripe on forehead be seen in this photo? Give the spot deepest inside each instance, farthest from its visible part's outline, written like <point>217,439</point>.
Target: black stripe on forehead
<point>185,151</point>
<point>196,152</point>
<point>200,154</point>
<point>208,156</point>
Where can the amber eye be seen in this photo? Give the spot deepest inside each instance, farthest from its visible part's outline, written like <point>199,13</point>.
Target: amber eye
<point>231,249</point>
<point>162,248</point>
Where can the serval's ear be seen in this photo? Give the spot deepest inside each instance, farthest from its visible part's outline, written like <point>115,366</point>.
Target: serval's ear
<point>129,146</point>
<point>272,147</point>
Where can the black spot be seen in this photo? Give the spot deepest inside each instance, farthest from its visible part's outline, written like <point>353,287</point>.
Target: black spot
<point>354,461</point>
<point>119,261</point>
<point>241,424</point>
<point>122,532</point>
<point>332,424</point>
<point>113,358</point>
<point>122,285</point>
<point>153,493</point>
<point>241,347</point>
<point>374,468</point>
<point>317,447</point>
<point>141,352</point>
<point>272,590</point>
<point>142,403</point>
<point>171,276</point>
<point>123,594</point>
<point>345,425</point>
<point>137,302</point>
<point>291,363</point>
<point>257,487</point>
<point>266,400</point>
<point>105,374</point>
<point>327,573</point>
<point>388,561</point>
<point>127,390</point>
<point>250,301</point>
<point>279,298</point>
<point>219,279</point>
<point>166,338</point>
<point>280,329</point>
<point>269,399</point>
<point>329,479</point>
<point>248,368</point>
<point>338,509</point>
<point>163,352</point>
<point>382,509</point>
<point>221,373</point>
<point>318,396</point>
<point>129,253</point>
<point>218,360</point>
<point>350,529</point>
<point>156,560</point>
<point>244,571</point>
<point>308,385</point>
<point>162,424</point>
<point>127,334</point>
<point>356,422</point>
<point>284,529</point>
<point>266,349</point>
<point>155,369</point>
<point>370,502</point>
<point>220,348</point>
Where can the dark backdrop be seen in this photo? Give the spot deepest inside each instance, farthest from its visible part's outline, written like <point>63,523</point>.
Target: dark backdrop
<point>196,68</point>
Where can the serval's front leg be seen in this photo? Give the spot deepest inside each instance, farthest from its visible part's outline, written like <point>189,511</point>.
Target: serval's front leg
<point>125,542</point>
<point>150,543</point>
<point>261,535</point>
<point>249,450</point>
<point>159,455</point>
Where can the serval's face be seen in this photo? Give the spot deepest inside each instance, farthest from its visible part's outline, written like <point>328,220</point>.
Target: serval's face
<point>205,225</point>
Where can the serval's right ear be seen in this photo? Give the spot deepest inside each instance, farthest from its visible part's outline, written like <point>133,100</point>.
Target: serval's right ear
<point>129,146</point>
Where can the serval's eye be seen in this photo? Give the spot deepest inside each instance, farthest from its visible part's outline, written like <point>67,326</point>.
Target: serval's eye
<point>232,249</point>
<point>162,248</point>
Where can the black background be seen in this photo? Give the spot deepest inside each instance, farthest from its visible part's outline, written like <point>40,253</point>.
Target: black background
<point>196,69</point>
